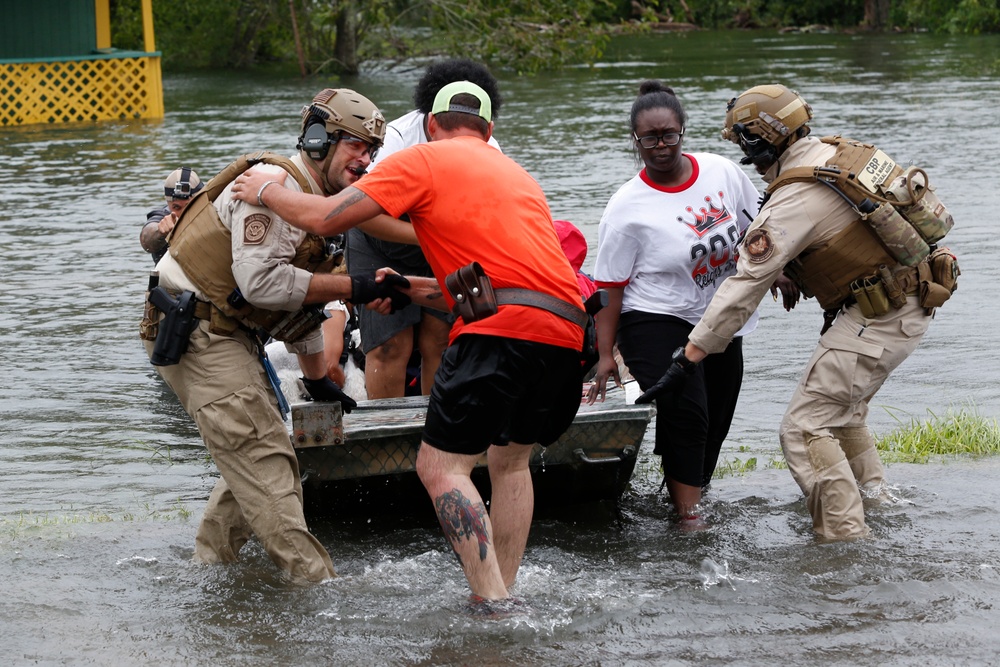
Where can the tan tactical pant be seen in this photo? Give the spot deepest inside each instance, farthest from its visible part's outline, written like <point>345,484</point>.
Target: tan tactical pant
<point>823,434</point>
<point>222,385</point>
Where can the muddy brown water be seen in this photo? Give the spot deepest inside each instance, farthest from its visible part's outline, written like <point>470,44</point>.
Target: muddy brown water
<point>103,479</point>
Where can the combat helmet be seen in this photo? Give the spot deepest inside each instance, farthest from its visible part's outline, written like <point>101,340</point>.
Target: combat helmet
<point>764,121</point>
<point>182,183</point>
<point>337,110</point>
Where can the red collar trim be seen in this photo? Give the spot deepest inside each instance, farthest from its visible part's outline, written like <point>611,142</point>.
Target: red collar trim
<point>677,188</point>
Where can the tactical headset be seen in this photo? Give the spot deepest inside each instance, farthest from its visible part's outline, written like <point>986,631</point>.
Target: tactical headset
<point>315,140</point>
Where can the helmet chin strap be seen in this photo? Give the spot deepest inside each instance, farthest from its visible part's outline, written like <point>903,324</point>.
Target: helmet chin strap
<point>321,169</point>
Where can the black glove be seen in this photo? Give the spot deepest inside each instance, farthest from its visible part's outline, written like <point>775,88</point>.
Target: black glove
<point>673,380</point>
<point>326,389</point>
<point>364,289</point>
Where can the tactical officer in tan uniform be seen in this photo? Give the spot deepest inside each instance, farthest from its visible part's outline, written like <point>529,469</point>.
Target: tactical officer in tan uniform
<point>812,233</point>
<point>269,273</point>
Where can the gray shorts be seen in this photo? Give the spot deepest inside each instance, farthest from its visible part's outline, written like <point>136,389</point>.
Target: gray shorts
<point>366,254</point>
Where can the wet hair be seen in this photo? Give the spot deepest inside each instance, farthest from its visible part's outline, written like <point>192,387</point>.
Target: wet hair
<point>440,74</point>
<point>450,120</point>
<point>654,95</point>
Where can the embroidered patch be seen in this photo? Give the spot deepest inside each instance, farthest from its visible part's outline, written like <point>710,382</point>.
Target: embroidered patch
<point>759,246</point>
<point>255,228</point>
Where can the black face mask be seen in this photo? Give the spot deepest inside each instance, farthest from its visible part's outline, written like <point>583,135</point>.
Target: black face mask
<point>758,152</point>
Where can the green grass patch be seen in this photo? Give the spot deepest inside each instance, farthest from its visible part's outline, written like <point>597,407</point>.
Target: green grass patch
<point>956,433</point>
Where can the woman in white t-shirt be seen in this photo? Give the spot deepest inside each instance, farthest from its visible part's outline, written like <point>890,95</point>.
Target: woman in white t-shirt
<point>667,240</point>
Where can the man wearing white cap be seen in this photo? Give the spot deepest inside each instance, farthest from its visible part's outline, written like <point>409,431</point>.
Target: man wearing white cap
<point>511,375</point>
<point>178,188</point>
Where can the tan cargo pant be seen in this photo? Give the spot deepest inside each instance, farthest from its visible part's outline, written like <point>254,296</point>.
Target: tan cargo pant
<point>222,385</point>
<point>827,445</point>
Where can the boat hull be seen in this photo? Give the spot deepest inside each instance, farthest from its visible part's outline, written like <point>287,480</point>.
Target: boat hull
<point>368,459</point>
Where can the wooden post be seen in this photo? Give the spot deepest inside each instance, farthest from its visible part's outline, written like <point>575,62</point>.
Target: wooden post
<point>148,39</point>
<point>102,16</point>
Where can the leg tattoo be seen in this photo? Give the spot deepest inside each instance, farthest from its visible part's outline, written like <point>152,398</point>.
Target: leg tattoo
<point>460,519</point>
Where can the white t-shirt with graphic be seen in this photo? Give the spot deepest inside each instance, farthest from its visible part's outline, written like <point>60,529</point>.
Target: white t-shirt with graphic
<point>671,248</point>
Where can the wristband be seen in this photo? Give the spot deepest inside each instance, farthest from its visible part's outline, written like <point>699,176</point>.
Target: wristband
<point>686,364</point>
<point>260,193</point>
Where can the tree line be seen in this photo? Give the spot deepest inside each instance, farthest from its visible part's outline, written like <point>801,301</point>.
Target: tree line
<point>521,35</point>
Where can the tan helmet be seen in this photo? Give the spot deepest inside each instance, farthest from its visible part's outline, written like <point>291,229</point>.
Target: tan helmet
<point>772,112</point>
<point>340,110</point>
<point>181,183</point>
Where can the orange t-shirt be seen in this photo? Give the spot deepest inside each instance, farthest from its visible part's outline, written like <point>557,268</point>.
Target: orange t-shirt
<point>470,202</point>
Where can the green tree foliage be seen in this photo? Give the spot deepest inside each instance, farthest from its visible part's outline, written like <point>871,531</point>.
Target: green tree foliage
<point>962,17</point>
<point>522,35</point>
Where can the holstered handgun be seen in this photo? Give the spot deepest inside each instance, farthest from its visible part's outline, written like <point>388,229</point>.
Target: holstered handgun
<point>176,326</point>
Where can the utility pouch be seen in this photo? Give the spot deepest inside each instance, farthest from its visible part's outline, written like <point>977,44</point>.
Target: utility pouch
<point>176,326</point>
<point>298,324</point>
<point>871,297</point>
<point>893,290</point>
<point>898,236</point>
<point>150,324</point>
<point>221,324</point>
<point>925,211</point>
<point>933,293</point>
<point>944,268</point>
<point>472,291</point>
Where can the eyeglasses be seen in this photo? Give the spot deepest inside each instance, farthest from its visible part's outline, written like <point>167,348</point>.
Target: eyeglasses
<point>359,145</point>
<point>652,140</point>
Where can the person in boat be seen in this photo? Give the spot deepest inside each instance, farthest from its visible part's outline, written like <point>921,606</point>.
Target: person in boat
<point>877,299</point>
<point>508,379</point>
<point>235,273</point>
<point>666,243</point>
<point>413,337</point>
<point>178,188</point>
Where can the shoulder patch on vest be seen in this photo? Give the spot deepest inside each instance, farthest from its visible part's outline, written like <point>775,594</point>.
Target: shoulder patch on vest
<point>255,228</point>
<point>758,245</point>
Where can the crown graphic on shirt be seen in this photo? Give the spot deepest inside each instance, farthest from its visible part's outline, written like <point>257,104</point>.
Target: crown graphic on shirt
<point>706,218</point>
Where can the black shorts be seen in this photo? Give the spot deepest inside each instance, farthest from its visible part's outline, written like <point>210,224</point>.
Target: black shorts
<point>494,390</point>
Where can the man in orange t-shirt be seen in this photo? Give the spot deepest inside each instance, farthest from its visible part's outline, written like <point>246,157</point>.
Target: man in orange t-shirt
<point>506,381</point>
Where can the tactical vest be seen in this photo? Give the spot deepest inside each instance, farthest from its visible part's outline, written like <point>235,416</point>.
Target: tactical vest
<point>202,246</point>
<point>899,218</point>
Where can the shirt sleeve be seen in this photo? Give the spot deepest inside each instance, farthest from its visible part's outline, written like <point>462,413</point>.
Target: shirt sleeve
<point>617,250</point>
<point>783,226</point>
<point>263,247</point>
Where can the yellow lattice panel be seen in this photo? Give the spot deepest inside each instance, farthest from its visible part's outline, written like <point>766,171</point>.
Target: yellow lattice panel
<point>74,91</point>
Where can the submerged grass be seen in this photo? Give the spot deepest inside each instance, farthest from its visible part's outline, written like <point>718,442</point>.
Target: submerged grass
<point>25,522</point>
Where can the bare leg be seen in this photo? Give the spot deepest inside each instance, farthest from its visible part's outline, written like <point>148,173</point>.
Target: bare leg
<point>512,505</point>
<point>385,366</point>
<point>685,499</point>
<point>463,517</point>
<point>432,340</point>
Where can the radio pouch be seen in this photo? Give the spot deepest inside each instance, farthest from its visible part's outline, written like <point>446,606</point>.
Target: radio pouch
<point>472,291</point>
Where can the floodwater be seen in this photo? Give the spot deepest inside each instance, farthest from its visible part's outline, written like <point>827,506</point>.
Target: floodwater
<point>103,479</point>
